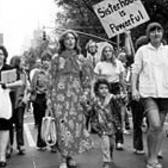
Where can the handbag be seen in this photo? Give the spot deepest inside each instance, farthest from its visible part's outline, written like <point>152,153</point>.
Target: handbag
<point>5,104</point>
<point>48,129</point>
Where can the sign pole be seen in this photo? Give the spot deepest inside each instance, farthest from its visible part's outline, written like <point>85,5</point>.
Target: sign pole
<point>118,42</point>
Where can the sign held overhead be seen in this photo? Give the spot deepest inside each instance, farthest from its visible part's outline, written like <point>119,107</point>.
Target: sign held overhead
<point>118,16</point>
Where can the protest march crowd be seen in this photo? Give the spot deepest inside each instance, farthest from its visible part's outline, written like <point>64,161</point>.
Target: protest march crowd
<point>88,94</point>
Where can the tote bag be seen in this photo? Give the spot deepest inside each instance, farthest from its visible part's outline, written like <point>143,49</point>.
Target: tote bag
<point>48,130</point>
<point>5,104</point>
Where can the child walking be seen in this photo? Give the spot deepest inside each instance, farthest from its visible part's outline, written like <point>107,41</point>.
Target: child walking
<point>106,118</point>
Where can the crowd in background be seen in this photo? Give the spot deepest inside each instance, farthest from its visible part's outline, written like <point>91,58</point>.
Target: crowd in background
<point>92,93</point>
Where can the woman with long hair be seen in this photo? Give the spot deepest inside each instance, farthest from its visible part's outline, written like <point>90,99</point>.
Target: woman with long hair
<point>19,102</point>
<point>69,83</point>
<point>112,70</point>
<point>5,105</point>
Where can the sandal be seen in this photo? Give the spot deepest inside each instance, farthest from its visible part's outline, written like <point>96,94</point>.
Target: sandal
<point>71,162</point>
<point>154,165</point>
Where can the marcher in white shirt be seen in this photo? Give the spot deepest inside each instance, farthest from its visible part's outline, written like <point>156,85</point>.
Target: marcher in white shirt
<point>150,68</point>
<point>111,69</point>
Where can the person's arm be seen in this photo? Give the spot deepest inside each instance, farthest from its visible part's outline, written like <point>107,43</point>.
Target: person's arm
<point>136,69</point>
<point>134,89</point>
<point>14,84</point>
<point>20,82</point>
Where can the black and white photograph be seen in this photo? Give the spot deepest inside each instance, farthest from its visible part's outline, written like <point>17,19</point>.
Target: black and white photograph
<point>84,83</point>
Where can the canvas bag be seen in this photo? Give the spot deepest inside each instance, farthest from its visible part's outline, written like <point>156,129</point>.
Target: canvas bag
<point>5,104</point>
<point>48,129</point>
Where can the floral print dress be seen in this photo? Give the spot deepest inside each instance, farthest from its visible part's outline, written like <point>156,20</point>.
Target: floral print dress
<point>69,81</point>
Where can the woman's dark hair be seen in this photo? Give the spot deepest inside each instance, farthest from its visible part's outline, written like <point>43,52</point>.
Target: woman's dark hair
<point>5,52</point>
<point>62,38</point>
<point>152,26</point>
<point>15,62</point>
<point>103,57</point>
<point>98,83</point>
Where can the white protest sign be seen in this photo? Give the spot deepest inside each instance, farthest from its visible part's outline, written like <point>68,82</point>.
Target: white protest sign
<point>8,76</point>
<point>118,16</point>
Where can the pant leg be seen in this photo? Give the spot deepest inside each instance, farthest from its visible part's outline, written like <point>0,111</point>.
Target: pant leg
<point>119,137</point>
<point>40,142</point>
<point>11,130</point>
<point>137,118</point>
<point>19,119</point>
<point>40,107</point>
<point>127,123</point>
<point>115,89</point>
<point>35,113</point>
<point>107,145</point>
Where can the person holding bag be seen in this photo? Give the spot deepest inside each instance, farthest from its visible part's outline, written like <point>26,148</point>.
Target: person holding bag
<point>5,106</point>
<point>48,129</point>
<point>69,81</point>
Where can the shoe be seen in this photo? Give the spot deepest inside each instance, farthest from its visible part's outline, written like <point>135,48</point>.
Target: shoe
<point>21,150</point>
<point>126,132</point>
<point>160,155</point>
<point>63,165</point>
<point>154,165</point>
<point>9,152</point>
<point>53,149</point>
<point>71,162</point>
<point>139,152</point>
<point>3,164</point>
<point>106,165</point>
<point>119,146</point>
<point>41,148</point>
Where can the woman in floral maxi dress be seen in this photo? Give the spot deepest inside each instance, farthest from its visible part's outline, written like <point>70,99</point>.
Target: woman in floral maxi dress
<point>69,83</point>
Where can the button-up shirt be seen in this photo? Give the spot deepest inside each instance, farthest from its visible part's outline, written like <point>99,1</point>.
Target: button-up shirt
<point>152,66</point>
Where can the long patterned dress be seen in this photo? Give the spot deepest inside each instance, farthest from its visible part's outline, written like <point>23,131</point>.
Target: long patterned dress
<point>69,81</point>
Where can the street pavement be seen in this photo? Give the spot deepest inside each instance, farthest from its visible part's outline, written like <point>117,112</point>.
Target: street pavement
<point>91,159</point>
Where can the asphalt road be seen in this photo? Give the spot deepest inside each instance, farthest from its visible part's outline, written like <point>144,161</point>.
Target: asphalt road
<point>91,159</point>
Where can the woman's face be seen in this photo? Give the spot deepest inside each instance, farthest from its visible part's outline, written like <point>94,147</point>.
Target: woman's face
<point>156,35</point>
<point>70,41</point>
<point>108,53</point>
<point>2,57</point>
<point>46,64</point>
<point>103,90</point>
<point>92,48</point>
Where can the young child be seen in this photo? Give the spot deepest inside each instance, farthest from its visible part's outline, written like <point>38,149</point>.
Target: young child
<point>107,119</point>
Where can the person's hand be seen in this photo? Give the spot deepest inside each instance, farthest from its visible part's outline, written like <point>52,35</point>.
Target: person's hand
<point>135,95</point>
<point>49,102</point>
<point>123,96</point>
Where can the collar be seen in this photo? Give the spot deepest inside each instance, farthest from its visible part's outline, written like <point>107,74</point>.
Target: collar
<point>150,46</point>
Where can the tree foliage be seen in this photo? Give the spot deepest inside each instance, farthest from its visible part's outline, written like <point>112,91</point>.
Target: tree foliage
<point>34,53</point>
<point>79,15</point>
